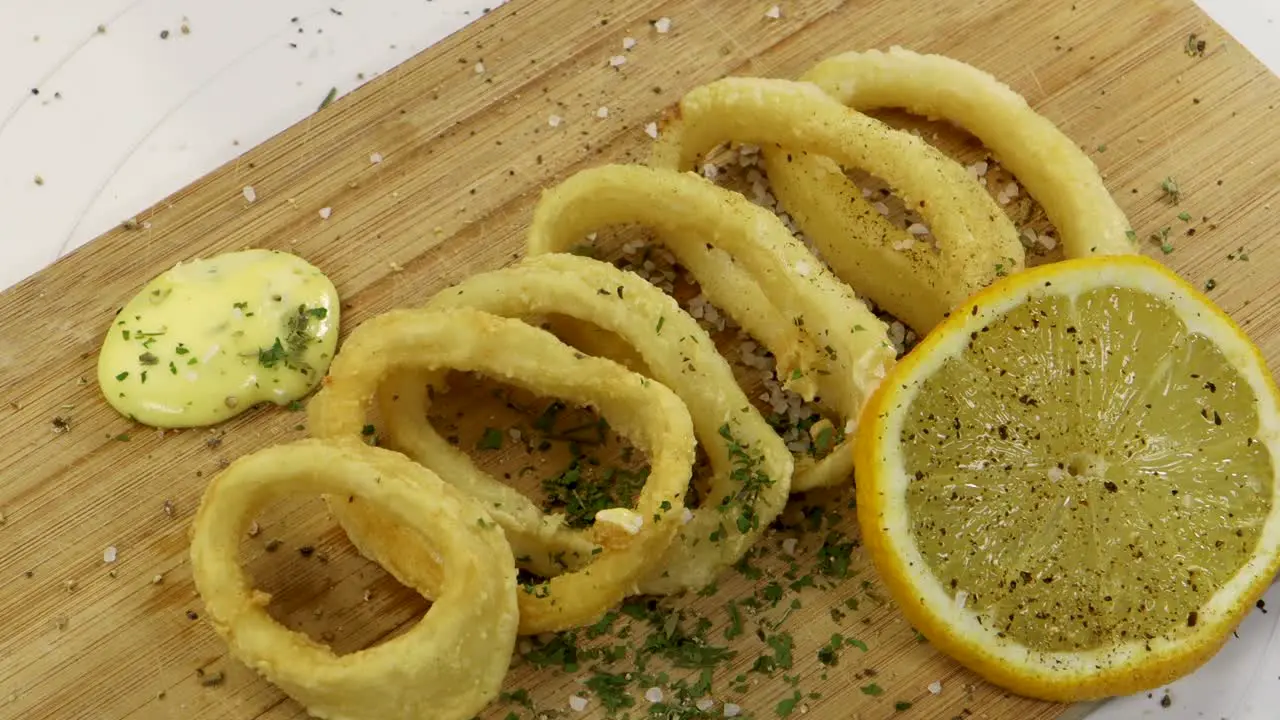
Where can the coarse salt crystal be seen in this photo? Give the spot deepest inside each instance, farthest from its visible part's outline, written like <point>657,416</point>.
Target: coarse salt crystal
<point>905,243</point>
<point>109,555</point>
<point>577,703</point>
<point>705,704</point>
<point>1048,242</point>
<point>1011,189</point>
<point>731,710</point>
<point>602,112</point>
<point>249,193</point>
<point>789,546</point>
<point>554,121</point>
<point>662,25</point>
<point>375,158</point>
<point>628,43</point>
<point>651,130</point>
<point>479,68</point>
<point>686,516</point>
<point>618,61</point>
<point>325,212</point>
<point>802,269</point>
<point>773,13</point>
<point>1056,474</point>
<point>917,229</point>
<point>881,208</point>
<point>935,688</point>
<point>653,694</point>
<point>962,597</point>
<point>710,171</point>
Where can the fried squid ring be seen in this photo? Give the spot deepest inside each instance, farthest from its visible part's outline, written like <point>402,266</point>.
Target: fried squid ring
<point>643,411</point>
<point>860,243</point>
<point>1052,167</point>
<point>449,666</point>
<point>977,242</point>
<point>826,342</point>
<point>751,466</point>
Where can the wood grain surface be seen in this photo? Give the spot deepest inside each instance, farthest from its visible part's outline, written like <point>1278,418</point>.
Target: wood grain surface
<point>465,155</point>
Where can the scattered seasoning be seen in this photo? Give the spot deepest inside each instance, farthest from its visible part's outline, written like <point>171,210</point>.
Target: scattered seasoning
<point>1184,216</point>
<point>212,679</point>
<point>164,34</point>
<point>490,440</point>
<point>122,437</point>
<point>1166,701</point>
<point>662,25</point>
<point>375,158</point>
<point>60,425</point>
<point>773,13</point>
<point>1239,254</point>
<point>168,508</point>
<point>788,705</point>
<point>554,120</point>
<point>325,212</point>
<point>1162,236</point>
<point>109,555</point>
<point>1171,191</point>
<point>651,130</point>
<point>1210,284</point>
<point>39,180</point>
<point>102,29</point>
<point>307,551</point>
<point>480,68</point>
<point>1102,147</point>
<point>902,706</point>
<point>368,430</point>
<point>1194,46</point>
<point>873,690</point>
<point>328,98</point>
<point>249,194</point>
<point>272,545</point>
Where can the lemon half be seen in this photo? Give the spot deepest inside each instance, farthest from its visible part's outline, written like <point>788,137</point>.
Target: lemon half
<point>1071,485</point>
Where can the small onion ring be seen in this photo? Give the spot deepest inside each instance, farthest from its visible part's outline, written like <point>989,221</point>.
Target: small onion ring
<point>823,338</point>
<point>448,666</point>
<point>643,411</point>
<point>672,349</point>
<point>977,241</point>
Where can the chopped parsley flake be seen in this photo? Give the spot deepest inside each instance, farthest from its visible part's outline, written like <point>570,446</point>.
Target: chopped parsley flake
<point>490,440</point>
<point>873,690</point>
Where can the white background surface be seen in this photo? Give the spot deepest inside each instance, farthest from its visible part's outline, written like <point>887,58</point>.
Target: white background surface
<point>124,117</point>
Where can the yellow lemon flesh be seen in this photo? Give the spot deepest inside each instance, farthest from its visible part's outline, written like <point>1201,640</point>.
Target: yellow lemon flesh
<point>1070,485</point>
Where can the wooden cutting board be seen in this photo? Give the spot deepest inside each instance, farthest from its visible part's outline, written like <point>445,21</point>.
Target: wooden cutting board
<point>465,155</point>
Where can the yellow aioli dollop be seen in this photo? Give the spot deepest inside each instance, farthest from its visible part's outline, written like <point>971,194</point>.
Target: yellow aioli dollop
<point>208,339</point>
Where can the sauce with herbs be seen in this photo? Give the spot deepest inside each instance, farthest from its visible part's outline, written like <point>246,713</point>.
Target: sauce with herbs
<point>210,338</point>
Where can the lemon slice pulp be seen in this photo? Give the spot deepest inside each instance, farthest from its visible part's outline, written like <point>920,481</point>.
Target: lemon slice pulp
<point>1070,486</point>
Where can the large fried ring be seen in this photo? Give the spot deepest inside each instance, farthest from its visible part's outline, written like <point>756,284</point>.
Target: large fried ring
<point>449,666</point>
<point>976,241</point>
<point>827,343</point>
<point>751,466</point>
<point>643,411</point>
